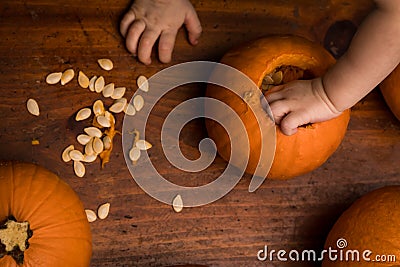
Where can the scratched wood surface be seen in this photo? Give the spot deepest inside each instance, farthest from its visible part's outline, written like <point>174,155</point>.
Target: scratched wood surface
<point>39,37</point>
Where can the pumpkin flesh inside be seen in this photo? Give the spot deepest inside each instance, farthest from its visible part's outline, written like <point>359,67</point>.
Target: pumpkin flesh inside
<point>14,238</point>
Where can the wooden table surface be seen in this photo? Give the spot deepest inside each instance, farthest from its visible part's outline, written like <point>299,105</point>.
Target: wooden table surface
<point>43,36</point>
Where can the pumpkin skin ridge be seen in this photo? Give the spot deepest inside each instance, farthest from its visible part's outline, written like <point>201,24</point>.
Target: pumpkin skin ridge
<point>37,207</point>
<point>43,225</point>
<point>45,248</point>
<point>28,216</point>
<point>13,190</point>
<point>52,227</point>
<point>263,55</point>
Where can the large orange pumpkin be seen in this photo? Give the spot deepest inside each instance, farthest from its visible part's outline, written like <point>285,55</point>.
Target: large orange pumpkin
<point>46,207</point>
<point>371,223</point>
<point>313,144</point>
<point>390,88</point>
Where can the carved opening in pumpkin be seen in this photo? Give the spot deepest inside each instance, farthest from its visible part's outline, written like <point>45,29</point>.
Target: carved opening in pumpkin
<point>14,238</point>
<point>284,74</point>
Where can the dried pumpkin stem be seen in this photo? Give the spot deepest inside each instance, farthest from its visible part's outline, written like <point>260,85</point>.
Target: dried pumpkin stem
<point>14,238</point>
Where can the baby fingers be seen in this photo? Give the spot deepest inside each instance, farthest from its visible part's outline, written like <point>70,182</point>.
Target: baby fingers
<point>279,110</point>
<point>193,26</point>
<point>166,45</point>
<point>126,22</point>
<point>133,35</point>
<point>291,121</point>
<point>274,94</point>
<point>146,43</point>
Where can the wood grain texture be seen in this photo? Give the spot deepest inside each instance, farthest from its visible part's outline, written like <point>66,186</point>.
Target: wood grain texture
<point>42,36</point>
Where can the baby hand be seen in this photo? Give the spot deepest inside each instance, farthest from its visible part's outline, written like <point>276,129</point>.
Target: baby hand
<point>300,102</point>
<point>149,20</point>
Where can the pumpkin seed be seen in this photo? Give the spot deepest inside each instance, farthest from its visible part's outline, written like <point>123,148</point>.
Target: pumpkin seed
<point>107,142</point>
<point>65,155</point>
<point>105,64</point>
<point>79,168</point>
<point>93,131</point>
<point>91,83</point>
<point>83,139</point>
<point>118,93</point>
<point>277,77</point>
<point>110,117</point>
<point>98,146</point>
<point>83,114</point>
<point>33,107</point>
<point>142,83</point>
<point>53,78</point>
<point>108,90</point>
<point>83,80</point>
<point>134,154</point>
<point>99,84</point>
<point>129,110</point>
<point>67,76</point>
<point>268,80</point>
<point>266,86</point>
<point>89,148</point>
<point>143,145</point>
<point>91,215</point>
<point>138,102</point>
<point>76,155</point>
<point>177,203</point>
<point>118,105</point>
<point>103,211</point>
<point>103,121</point>
<point>89,158</point>
<point>98,107</point>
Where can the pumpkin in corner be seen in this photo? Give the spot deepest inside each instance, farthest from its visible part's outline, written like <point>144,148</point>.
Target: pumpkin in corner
<point>42,220</point>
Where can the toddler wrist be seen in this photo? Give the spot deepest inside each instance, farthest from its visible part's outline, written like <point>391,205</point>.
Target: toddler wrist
<point>319,89</point>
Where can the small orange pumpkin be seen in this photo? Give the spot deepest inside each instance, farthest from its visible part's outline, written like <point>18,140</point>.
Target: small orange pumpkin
<point>390,88</point>
<point>370,223</point>
<point>312,145</point>
<point>48,226</point>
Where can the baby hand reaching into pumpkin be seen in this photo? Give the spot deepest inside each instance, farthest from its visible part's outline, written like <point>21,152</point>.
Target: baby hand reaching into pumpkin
<point>300,102</point>
<point>373,54</point>
<point>149,20</point>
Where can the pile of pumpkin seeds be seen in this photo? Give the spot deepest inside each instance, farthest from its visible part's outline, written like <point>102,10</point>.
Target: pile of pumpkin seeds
<point>97,139</point>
